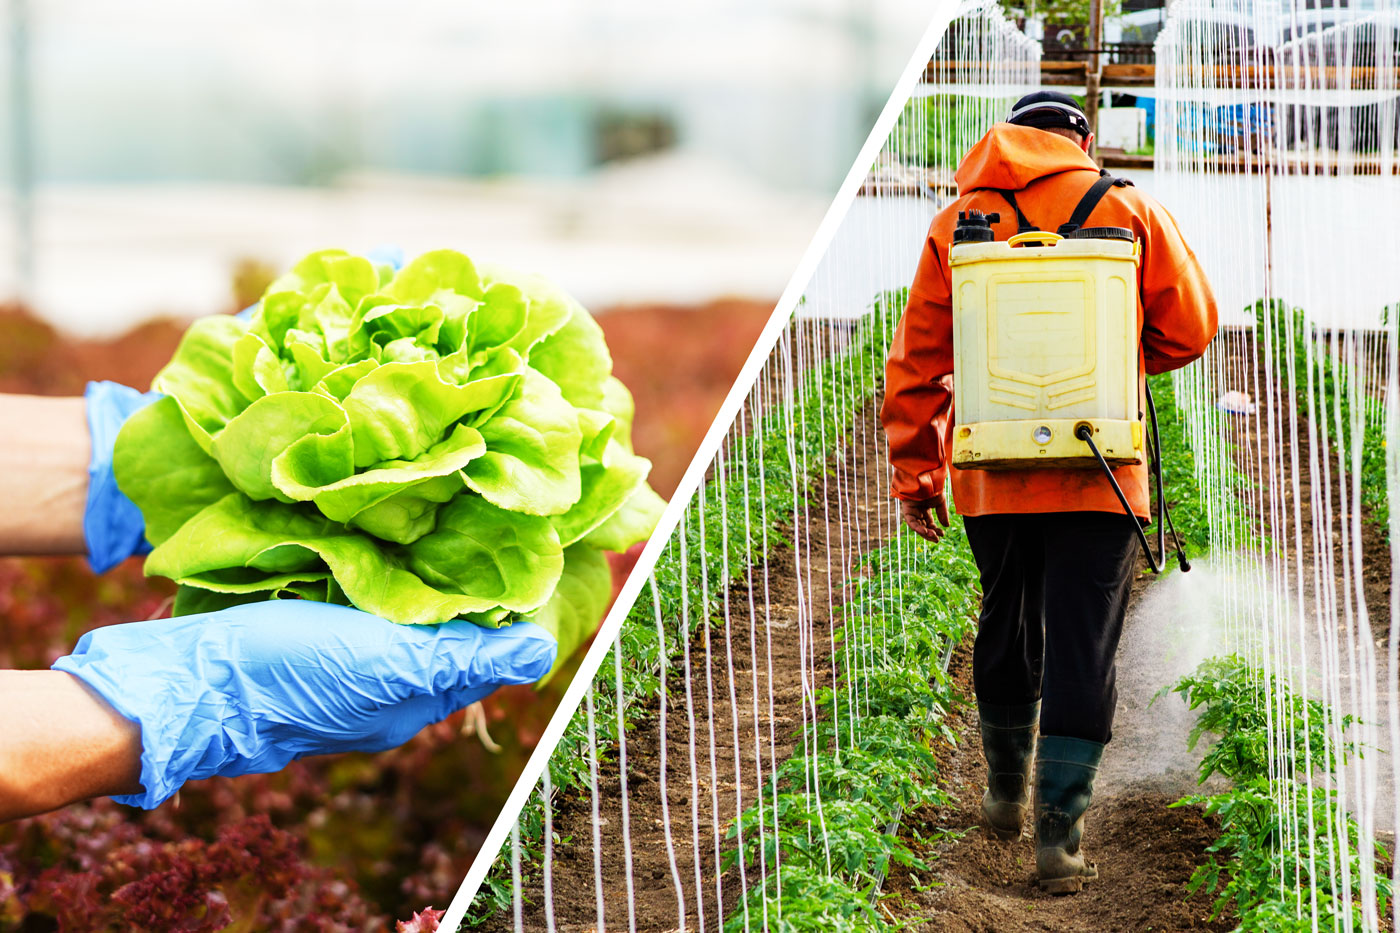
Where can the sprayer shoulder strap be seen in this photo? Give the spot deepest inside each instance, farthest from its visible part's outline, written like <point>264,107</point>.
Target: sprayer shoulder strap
<point>1082,210</point>
<point>1022,224</point>
<point>1091,200</point>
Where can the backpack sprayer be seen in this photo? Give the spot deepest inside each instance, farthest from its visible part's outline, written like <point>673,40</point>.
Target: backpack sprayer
<point>1045,345</point>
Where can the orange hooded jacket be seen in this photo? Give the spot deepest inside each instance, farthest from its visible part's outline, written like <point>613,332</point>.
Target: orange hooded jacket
<point>1176,317</point>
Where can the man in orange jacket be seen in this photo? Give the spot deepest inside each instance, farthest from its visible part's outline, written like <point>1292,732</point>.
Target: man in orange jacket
<point>1054,548</point>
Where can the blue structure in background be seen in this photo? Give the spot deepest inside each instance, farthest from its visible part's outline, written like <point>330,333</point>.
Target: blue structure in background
<point>1219,130</point>
<point>1149,104</point>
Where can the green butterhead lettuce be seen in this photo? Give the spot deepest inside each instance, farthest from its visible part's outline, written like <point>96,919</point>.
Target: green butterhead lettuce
<point>428,444</point>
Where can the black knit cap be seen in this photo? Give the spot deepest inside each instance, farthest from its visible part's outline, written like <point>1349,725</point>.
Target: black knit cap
<point>1049,109</point>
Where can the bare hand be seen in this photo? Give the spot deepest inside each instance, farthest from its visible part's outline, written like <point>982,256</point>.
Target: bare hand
<point>919,517</point>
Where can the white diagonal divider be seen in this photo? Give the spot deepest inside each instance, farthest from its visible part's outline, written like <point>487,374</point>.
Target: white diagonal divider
<point>943,12</point>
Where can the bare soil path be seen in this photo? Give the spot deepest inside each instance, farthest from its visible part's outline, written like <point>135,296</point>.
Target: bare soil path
<point>1145,850</point>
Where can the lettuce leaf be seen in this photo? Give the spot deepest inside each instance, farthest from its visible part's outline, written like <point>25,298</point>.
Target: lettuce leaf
<point>579,601</point>
<point>445,441</point>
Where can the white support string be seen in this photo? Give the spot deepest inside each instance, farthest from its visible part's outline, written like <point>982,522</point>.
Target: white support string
<point>547,868</point>
<point>622,782</point>
<point>1276,149</point>
<point>597,816</point>
<point>661,777</point>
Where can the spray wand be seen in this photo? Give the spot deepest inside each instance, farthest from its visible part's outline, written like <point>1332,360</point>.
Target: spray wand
<point>1164,516</point>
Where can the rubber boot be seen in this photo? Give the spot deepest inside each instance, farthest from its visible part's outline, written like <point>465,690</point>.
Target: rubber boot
<point>1064,783</point>
<point>1008,742</point>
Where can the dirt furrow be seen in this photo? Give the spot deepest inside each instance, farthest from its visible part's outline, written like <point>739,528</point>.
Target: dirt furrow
<point>1145,850</point>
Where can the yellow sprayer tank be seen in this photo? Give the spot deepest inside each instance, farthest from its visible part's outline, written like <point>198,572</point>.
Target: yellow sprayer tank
<point>1045,339</point>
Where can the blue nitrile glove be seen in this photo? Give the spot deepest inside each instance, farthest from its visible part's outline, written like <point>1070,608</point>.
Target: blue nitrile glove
<point>112,524</point>
<point>249,689</point>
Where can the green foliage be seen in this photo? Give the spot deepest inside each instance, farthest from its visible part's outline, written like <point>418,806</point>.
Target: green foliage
<point>1332,394</point>
<point>1185,497</point>
<point>425,444</point>
<point>870,752</point>
<point>1260,729</point>
<point>1286,847</point>
<point>1282,864</point>
<point>929,133</point>
<point>811,901</point>
<point>1070,12</point>
<point>828,814</point>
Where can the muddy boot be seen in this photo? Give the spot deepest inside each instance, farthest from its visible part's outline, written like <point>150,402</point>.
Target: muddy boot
<point>1008,742</point>
<point>1064,782</point>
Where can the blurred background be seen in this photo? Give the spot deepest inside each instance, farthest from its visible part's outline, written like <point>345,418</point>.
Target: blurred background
<point>639,152</point>
<point>667,163</point>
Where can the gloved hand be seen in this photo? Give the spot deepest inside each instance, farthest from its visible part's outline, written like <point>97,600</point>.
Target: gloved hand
<point>249,689</point>
<point>112,524</point>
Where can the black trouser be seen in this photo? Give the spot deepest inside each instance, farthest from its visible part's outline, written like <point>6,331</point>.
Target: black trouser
<point>1054,593</point>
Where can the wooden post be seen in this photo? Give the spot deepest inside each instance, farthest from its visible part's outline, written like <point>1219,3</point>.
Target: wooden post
<point>1091,83</point>
<point>1266,165</point>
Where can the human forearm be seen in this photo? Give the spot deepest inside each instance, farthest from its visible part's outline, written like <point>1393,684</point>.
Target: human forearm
<point>44,454</point>
<point>918,399</point>
<point>59,743</point>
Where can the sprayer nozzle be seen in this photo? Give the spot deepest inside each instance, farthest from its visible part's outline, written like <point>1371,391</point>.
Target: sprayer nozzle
<point>1183,562</point>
